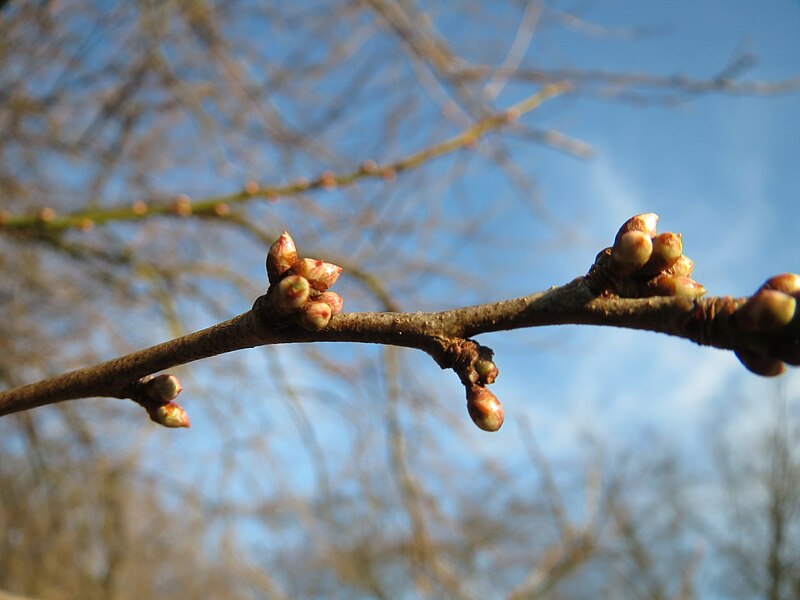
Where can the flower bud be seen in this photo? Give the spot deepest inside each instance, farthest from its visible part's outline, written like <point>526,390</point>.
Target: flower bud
<point>282,255</point>
<point>645,223</point>
<point>759,364</point>
<point>162,388</point>
<point>487,371</point>
<point>631,252</point>
<point>667,248</point>
<point>788,283</point>
<point>674,285</point>
<point>682,267</point>
<point>484,408</point>
<point>291,293</point>
<point>314,316</point>
<point>170,414</point>
<point>765,311</point>
<point>333,300</point>
<point>321,275</point>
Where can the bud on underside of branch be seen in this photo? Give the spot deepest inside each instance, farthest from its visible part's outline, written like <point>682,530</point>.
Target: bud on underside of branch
<point>759,364</point>
<point>766,311</point>
<point>170,415</point>
<point>484,408</point>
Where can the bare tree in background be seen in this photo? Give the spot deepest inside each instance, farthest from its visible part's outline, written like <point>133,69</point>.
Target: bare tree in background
<point>149,154</point>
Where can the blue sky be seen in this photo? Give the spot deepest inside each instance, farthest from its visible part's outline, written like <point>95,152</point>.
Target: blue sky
<point>722,170</point>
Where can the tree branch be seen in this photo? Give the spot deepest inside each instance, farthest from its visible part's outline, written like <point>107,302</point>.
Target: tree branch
<point>762,329</point>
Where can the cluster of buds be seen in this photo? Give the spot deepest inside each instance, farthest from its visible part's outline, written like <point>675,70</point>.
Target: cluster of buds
<point>157,393</point>
<point>644,263</point>
<point>301,285</point>
<point>771,311</point>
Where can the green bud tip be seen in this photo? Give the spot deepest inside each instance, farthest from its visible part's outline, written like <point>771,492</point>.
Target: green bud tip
<point>766,311</point>
<point>292,293</point>
<point>487,371</point>
<point>484,408</point>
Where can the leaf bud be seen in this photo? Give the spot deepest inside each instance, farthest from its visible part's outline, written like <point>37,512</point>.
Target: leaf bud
<point>682,267</point>
<point>333,300</point>
<point>292,293</point>
<point>631,252</point>
<point>282,255</point>
<point>170,414</point>
<point>162,388</point>
<point>320,274</point>
<point>667,248</point>
<point>765,311</point>
<point>788,283</point>
<point>676,285</point>
<point>484,408</point>
<point>759,364</point>
<point>314,316</point>
<point>645,223</point>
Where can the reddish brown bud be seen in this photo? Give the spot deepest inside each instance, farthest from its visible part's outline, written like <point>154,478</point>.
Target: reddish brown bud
<point>788,283</point>
<point>333,300</point>
<point>759,364</point>
<point>765,311</point>
<point>631,251</point>
<point>320,274</point>
<point>484,408</point>
<point>487,371</point>
<point>170,414</point>
<point>162,388</point>
<point>139,207</point>
<point>282,255</point>
<point>291,293</point>
<point>314,316</point>
<point>674,285</point>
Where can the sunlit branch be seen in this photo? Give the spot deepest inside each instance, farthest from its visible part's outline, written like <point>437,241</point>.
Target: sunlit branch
<point>47,219</point>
